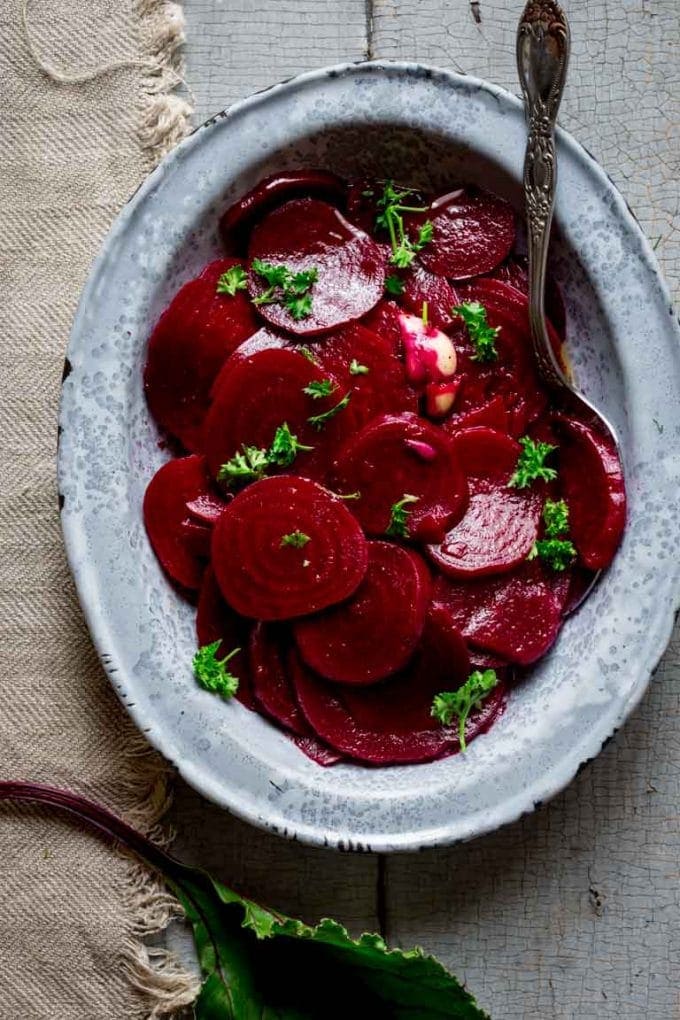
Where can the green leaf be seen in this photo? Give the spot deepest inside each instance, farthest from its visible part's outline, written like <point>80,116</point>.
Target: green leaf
<point>285,287</point>
<point>299,307</point>
<point>296,539</point>
<point>274,276</point>
<point>557,553</point>
<point>555,518</point>
<point>247,466</point>
<point>356,369</point>
<point>482,335</point>
<point>306,351</point>
<point>399,515</point>
<point>233,280</point>
<point>320,388</point>
<point>394,285</point>
<point>425,235</point>
<point>450,705</point>
<point>319,420</point>
<point>257,964</point>
<point>212,673</point>
<point>531,466</point>
<point>285,447</point>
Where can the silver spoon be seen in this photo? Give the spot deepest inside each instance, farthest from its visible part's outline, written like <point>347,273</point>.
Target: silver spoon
<point>542,57</point>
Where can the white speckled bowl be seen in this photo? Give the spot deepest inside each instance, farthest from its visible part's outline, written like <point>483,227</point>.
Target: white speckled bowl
<point>420,125</point>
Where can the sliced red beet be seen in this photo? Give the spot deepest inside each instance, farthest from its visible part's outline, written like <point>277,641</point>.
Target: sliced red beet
<point>236,222</point>
<point>362,202</point>
<point>592,483</point>
<point>398,455</point>
<point>423,287</point>
<point>493,415</point>
<point>391,723</point>
<point>500,524</point>
<point>167,519</point>
<point>271,682</point>
<point>256,394</point>
<point>516,616</point>
<point>320,753</point>
<point>308,234</point>
<point>263,577</point>
<point>516,273</point>
<point>360,642</point>
<point>215,620</point>
<point>473,232</point>
<point>384,320</point>
<point>192,340</point>
<point>207,507</point>
<point>376,385</point>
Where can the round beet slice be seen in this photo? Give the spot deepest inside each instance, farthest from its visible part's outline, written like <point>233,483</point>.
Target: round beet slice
<point>592,483</point>
<point>264,576</point>
<point>516,616</point>
<point>365,366</point>
<point>271,682</point>
<point>391,723</point>
<point>256,394</point>
<point>402,455</point>
<point>493,415</point>
<point>188,346</point>
<point>384,320</point>
<point>360,641</point>
<point>500,524</point>
<point>168,521</point>
<point>308,234</point>
<point>423,287</point>
<point>473,232</point>
<point>215,620</point>
<point>320,753</point>
<point>515,272</point>
<point>270,192</point>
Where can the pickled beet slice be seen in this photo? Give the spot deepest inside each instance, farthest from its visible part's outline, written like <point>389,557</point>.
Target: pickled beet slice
<point>270,678</point>
<point>256,394</point>
<point>364,365</point>
<point>384,320</point>
<point>215,620</point>
<point>236,222</point>
<point>493,415</point>
<point>473,232</point>
<point>262,577</point>
<point>193,338</point>
<point>516,616</point>
<point>304,234</point>
<point>360,641</point>
<point>167,519</point>
<point>423,287</point>
<point>318,752</point>
<point>592,483</point>
<point>515,272</point>
<point>398,455</point>
<point>500,524</point>
<point>391,723</point>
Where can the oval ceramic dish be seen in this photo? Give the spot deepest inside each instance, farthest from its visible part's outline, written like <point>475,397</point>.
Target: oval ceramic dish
<point>421,126</point>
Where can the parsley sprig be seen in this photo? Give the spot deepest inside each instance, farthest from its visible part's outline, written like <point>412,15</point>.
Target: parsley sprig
<point>296,539</point>
<point>320,388</point>
<point>252,462</point>
<point>391,219</point>
<point>531,466</point>
<point>399,515</point>
<point>450,705</point>
<point>285,287</point>
<point>394,285</point>
<point>233,280</point>
<point>356,369</point>
<point>319,420</point>
<point>482,335</point>
<point>556,549</point>
<point>212,673</point>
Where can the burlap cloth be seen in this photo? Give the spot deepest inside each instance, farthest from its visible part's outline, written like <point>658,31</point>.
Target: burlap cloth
<point>71,911</point>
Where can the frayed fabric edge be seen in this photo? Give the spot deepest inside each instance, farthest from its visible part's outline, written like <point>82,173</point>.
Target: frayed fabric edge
<point>165,117</point>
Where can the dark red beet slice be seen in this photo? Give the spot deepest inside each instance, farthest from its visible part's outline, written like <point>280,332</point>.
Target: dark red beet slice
<point>196,538</point>
<point>306,234</point>
<point>516,616</point>
<point>166,517</point>
<point>254,395</point>
<point>265,579</point>
<point>216,620</point>
<point>516,273</point>
<point>189,345</point>
<point>382,388</point>
<point>493,415</point>
<point>473,232</point>
<point>384,320</point>
<point>271,682</point>
<point>592,484</point>
<point>500,524</point>
<point>318,752</point>
<point>398,455</point>
<point>422,287</point>
<point>207,507</point>
<point>236,222</point>
<point>360,642</point>
<point>390,723</point>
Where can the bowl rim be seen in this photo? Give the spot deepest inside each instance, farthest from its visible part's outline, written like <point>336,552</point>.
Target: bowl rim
<point>541,788</point>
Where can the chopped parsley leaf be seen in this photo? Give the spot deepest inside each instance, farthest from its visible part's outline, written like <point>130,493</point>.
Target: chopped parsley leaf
<point>399,515</point>
<point>320,388</point>
<point>296,539</point>
<point>233,280</point>
<point>212,673</point>
<point>319,420</point>
<point>482,335</point>
<point>450,705</point>
<point>531,466</point>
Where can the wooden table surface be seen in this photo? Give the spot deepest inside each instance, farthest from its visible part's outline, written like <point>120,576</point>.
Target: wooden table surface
<point>573,911</point>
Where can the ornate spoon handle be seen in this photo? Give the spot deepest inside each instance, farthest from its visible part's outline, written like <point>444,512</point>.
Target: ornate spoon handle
<point>542,57</point>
